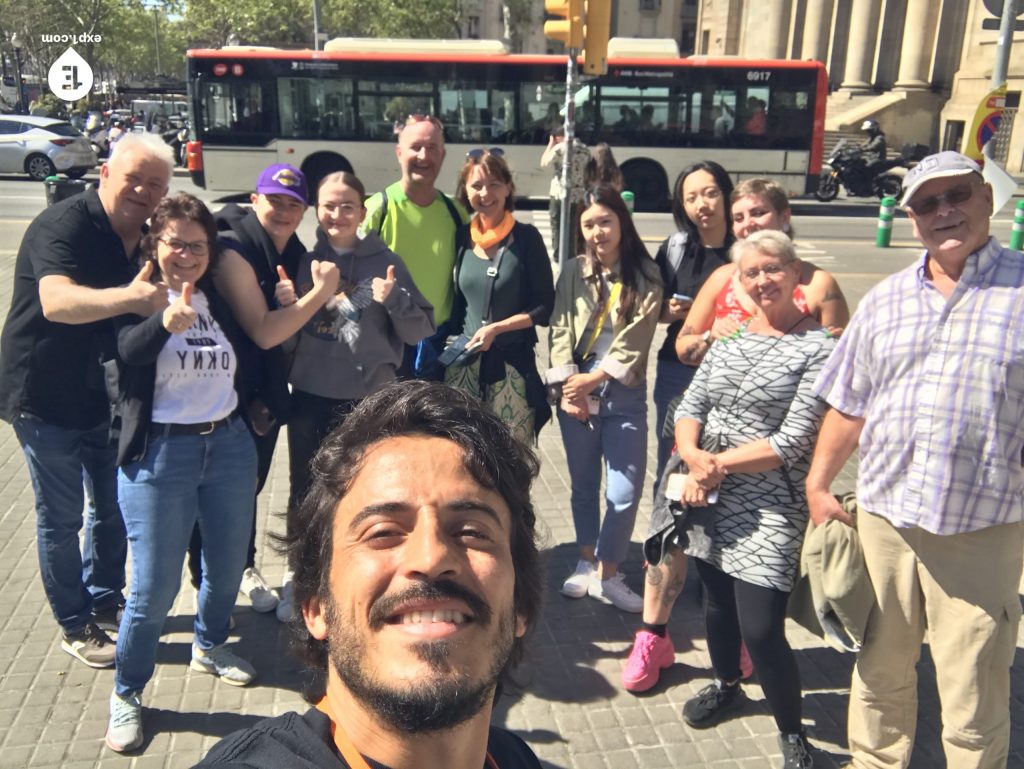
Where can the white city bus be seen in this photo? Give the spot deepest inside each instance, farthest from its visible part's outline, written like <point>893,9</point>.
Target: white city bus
<point>339,109</point>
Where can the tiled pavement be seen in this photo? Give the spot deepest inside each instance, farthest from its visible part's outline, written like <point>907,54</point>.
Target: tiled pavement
<point>569,705</point>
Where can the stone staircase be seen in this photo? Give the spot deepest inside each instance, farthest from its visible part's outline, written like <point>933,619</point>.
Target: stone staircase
<point>832,138</point>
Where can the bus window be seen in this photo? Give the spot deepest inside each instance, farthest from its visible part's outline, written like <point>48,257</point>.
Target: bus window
<point>634,115</point>
<point>755,113</point>
<point>384,106</point>
<point>474,115</point>
<point>788,118</point>
<point>723,116</point>
<point>541,111</point>
<point>315,108</point>
<point>236,107</point>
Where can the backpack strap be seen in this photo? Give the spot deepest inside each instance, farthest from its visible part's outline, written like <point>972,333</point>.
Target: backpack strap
<point>453,211</point>
<point>383,211</point>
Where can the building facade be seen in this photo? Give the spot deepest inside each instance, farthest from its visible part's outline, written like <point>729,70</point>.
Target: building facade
<point>919,67</point>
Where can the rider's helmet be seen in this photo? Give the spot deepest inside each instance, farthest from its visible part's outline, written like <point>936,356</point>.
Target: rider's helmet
<point>871,127</point>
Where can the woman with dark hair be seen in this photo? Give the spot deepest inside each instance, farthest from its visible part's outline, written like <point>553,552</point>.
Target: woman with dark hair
<point>185,455</point>
<point>602,168</point>
<point>686,259</point>
<point>607,304</point>
<point>503,290</point>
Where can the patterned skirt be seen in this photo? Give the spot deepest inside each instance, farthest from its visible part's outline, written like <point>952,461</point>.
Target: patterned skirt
<point>506,398</point>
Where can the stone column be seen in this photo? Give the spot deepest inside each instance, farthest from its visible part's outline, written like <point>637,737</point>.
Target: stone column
<point>765,29</point>
<point>817,21</point>
<point>860,51</point>
<point>918,44</point>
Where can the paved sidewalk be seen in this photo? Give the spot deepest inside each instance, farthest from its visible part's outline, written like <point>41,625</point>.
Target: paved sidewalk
<point>569,706</point>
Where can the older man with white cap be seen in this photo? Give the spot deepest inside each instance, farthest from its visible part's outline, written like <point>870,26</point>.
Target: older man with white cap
<point>929,380</point>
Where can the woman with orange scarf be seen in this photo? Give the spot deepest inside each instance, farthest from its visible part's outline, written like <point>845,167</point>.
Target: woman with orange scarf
<point>503,288</point>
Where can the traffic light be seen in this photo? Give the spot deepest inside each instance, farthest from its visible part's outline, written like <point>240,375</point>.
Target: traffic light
<point>595,38</point>
<point>569,29</point>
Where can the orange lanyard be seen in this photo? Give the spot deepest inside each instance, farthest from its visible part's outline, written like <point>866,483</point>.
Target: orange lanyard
<point>348,751</point>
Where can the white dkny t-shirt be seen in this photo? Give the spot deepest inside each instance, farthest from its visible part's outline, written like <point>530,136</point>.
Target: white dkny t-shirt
<point>195,371</point>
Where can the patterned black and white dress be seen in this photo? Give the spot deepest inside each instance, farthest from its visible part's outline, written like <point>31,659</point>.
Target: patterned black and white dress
<point>748,388</point>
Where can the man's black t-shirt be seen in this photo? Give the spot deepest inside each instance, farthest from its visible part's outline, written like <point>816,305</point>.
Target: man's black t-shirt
<point>292,741</point>
<point>52,370</point>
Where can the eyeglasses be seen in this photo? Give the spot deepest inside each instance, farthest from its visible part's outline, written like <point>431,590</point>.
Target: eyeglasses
<point>345,209</point>
<point>771,271</point>
<point>953,197</point>
<point>197,247</point>
<point>479,153</point>
<point>417,118</point>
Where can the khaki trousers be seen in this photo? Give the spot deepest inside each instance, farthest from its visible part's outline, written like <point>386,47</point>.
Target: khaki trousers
<point>962,591</point>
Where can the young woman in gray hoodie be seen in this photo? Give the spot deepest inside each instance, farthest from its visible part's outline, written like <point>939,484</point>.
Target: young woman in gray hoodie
<point>354,344</point>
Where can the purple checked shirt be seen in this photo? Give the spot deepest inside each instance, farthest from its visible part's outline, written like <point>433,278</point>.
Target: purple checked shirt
<point>940,385</point>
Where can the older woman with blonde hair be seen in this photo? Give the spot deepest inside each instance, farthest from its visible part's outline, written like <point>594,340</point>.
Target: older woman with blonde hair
<point>745,430</point>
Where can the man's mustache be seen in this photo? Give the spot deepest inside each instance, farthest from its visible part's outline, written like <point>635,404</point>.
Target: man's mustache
<point>434,590</point>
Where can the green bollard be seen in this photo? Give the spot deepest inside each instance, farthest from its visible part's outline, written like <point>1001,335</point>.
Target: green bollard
<point>885,216</point>
<point>630,199</point>
<point>1017,236</point>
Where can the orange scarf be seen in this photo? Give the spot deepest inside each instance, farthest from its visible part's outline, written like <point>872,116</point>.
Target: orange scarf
<point>492,237</point>
<point>348,751</point>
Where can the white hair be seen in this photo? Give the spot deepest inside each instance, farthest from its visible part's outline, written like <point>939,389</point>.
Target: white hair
<point>147,143</point>
<point>769,242</point>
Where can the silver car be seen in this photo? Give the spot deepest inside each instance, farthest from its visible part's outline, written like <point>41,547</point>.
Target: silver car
<point>42,147</point>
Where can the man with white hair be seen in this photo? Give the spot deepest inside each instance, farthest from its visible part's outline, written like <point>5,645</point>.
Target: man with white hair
<point>928,379</point>
<point>76,269</point>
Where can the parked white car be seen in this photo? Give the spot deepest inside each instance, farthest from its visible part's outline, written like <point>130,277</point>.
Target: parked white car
<point>42,147</point>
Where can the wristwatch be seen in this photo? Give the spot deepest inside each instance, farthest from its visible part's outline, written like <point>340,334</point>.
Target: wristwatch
<point>706,338</point>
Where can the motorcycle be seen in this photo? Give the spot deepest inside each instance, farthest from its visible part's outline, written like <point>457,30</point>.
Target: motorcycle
<point>847,167</point>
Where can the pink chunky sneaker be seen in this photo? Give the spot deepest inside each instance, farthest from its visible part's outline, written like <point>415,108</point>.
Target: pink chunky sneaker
<point>649,656</point>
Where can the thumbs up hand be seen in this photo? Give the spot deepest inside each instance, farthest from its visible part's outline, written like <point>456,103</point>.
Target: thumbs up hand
<point>284,291</point>
<point>325,278</point>
<point>382,287</point>
<point>179,315</point>
<point>147,296</point>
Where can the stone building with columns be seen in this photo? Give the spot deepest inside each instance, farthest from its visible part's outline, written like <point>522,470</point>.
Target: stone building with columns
<point>919,67</point>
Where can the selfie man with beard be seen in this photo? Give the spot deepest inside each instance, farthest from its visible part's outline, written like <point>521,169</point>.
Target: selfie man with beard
<point>418,579</point>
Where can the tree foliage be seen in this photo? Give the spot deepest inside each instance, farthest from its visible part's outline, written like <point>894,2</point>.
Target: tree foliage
<point>214,23</point>
<point>392,18</point>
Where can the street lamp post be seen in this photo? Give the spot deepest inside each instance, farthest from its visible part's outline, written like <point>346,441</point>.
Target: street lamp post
<point>156,36</point>
<point>18,61</point>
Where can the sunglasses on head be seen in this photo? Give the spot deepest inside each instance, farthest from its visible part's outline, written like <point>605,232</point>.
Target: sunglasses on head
<point>417,118</point>
<point>479,152</point>
<point>953,197</point>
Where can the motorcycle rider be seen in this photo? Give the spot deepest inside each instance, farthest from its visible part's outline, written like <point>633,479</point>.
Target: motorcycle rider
<point>874,150</point>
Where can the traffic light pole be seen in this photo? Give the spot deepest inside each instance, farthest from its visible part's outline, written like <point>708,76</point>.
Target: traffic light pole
<point>565,227</point>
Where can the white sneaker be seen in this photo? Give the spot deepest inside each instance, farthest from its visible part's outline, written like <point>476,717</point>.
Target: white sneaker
<point>578,583</point>
<point>220,661</point>
<point>124,729</point>
<point>259,593</point>
<point>286,611</point>
<point>616,592</point>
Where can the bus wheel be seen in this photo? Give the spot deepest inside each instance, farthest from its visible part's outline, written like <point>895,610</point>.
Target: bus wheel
<point>648,182</point>
<point>321,164</point>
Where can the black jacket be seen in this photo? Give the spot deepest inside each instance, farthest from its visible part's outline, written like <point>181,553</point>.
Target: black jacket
<point>291,741</point>
<point>131,385</point>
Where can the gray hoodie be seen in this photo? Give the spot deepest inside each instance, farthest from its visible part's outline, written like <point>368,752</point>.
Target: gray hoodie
<point>354,345</point>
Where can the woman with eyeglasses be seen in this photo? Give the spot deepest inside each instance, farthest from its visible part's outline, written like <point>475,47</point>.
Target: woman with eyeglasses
<point>607,304</point>
<point>503,290</point>
<point>745,430</point>
<point>185,455</point>
<point>353,345</point>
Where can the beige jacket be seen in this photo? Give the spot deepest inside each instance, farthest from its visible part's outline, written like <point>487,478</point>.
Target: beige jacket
<point>576,301</point>
<point>833,597</point>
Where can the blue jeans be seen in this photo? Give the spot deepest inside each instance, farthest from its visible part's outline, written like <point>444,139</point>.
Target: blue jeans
<point>671,380</point>
<point>619,436</point>
<point>182,479</point>
<point>69,469</point>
